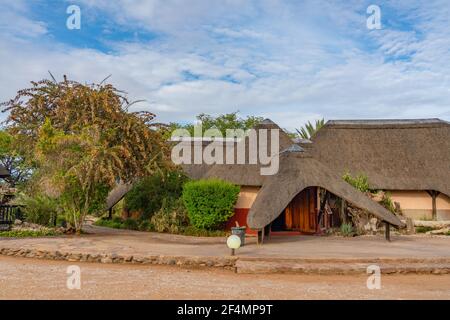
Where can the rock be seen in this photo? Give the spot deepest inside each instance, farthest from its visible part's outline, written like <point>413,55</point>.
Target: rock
<point>106,259</point>
<point>74,257</point>
<point>410,226</point>
<point>432,224</point>
<point>84,257</point>
<point>444,231</point>
<point>172,262</point>
<point>18,222</point>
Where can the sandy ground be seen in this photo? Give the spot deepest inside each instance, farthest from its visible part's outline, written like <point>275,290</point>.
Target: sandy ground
<point>127,242</point>
<point>22,278</point>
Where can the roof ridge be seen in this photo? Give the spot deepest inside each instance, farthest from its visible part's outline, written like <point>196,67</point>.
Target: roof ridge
<point>396,123</point>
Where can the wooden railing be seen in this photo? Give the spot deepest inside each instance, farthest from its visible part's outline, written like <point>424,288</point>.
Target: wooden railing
<point>9,213</point>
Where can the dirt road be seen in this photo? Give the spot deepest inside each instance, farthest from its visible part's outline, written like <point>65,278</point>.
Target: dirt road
<point>22,278</point>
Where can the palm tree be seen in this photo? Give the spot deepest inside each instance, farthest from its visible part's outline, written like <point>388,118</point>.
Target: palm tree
<point>309,129</point>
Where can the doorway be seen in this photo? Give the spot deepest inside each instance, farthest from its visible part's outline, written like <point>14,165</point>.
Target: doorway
<point>300,214</point>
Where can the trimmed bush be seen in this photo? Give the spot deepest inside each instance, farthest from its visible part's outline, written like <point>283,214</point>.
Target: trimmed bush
<point>148,194</point>
<point>209,203</point>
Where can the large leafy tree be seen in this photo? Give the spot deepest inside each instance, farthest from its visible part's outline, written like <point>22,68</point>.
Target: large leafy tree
<point>84,140</point>
<point>13,159</point>
<point>222,123</point>
<point>310,129</point>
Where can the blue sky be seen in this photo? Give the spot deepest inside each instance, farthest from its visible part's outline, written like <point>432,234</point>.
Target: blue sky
<point>291,61</point>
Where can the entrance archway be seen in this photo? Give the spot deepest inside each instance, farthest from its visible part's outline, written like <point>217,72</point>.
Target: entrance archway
<point>300,214</point>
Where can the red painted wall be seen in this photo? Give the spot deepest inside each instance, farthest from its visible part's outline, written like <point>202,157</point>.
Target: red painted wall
<point>240,215</point>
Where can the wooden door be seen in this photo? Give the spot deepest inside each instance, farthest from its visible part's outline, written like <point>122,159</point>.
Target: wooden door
<point>301,213</point>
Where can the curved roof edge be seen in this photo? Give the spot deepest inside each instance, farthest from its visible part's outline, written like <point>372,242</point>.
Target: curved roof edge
<point>267,208</point>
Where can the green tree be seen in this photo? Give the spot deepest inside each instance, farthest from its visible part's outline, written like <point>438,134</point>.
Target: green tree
<point>221,122</point>
<point>309,129</point>
<point>12,158</point>
<point>84,140</point>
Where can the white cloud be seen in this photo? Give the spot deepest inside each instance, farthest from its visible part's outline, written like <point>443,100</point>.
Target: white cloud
<point>290,63</point>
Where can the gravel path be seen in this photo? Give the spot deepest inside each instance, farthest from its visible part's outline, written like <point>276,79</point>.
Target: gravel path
<point>22,278</point>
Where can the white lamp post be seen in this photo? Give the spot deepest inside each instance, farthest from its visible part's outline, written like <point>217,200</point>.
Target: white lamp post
<point>233,242</point>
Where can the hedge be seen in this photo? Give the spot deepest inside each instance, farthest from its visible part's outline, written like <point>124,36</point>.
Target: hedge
<point>148,194</point>
<point>209,203</point>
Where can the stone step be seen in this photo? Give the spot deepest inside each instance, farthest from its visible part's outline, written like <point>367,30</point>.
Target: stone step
<point>338,268</point>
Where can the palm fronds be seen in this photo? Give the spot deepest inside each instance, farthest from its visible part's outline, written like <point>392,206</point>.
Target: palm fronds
<point>309,129</point>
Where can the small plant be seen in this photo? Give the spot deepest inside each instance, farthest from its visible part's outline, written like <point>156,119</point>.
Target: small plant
<point>115,223</point>
<point>193,231</point>
<point>360,182</point>
<point>386,201</point>
<point>61,221</point>
<point>422,229</point>
<point>170,218</point>
<point>209,203</point>
<point>130,224</point>
<point>347,230</point>
<point>145,225</point>
<point>28,233</point>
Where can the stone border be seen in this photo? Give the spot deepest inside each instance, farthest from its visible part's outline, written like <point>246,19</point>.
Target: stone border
<point>348,268</point>
<point>227,263</point>
<point>251,265</point>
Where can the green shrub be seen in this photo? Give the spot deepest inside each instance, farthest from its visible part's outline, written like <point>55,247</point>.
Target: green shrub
<point>193,231</point>
<point>40,209</point>
<point>116,220</point>
<point>386,201</point>
<point>148,194</point>
<point>209,203</point>
<point>347,230</point>
<point>360,182</point>
<point>115,223</point>
<point>421,229</point>
<point>27,233</point>
<point>130,224</point>
<point>61,221</point>
<point>145,225</point>
<point>170,218</point>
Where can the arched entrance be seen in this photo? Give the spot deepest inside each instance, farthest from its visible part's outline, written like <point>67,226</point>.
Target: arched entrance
<point>313,210</point>
<point>300,214</point>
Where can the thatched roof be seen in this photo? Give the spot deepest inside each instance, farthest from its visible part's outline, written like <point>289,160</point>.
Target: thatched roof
<point>242,174</point>
<point>298,170</point>
<point>394,154</point>
<point>4,173</point>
